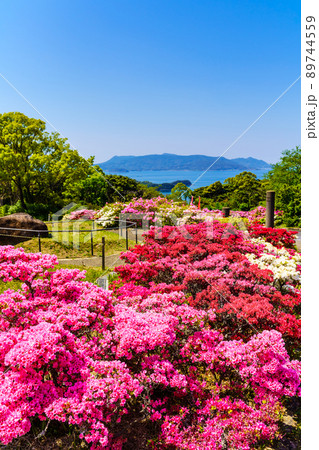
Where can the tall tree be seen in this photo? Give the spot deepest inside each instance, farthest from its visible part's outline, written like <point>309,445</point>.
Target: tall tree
<point>40,167</point>
<point>285,179</point>
<point>181,192</point>
<point>244,191</point>
<point>98,188</point>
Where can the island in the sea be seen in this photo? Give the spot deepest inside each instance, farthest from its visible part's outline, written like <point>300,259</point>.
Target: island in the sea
<point>170,161</point>
<point>166,187</point>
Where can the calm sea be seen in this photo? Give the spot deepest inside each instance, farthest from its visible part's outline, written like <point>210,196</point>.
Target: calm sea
<point>194,176</point>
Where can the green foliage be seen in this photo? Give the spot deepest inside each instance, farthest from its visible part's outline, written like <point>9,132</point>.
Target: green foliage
<point>4,210</point>
<point>97,189</point>
<point>37,167</point>
<point>285,179</point>
<point>149,191</point>
<point>39,210</point>
<point>93,189</point>
<point>16,208</point>
<point>166,187</point>
<point>40,173</point>
<point>238,222</point>
<point>242,192</point>
<point>180,192</point>
<point>214,191</point>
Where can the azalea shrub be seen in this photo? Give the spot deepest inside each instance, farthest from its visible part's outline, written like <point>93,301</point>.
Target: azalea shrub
<point>161,211</point>
<point>151,210</point>
<point>151,364</point>
<point>250,284</point>
<point>279,237</point>
<point>108,215</point>
<point>81,214</point>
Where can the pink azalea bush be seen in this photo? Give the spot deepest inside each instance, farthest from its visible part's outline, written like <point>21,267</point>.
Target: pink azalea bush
<point>219,269</point>
<point>144,362</point>
<point>257,214</point>
<point>88,214</point>
<point>170,212</point>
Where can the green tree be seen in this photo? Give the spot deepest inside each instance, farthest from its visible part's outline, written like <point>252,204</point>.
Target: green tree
<point>211,196</point>
<point>244,191</point>
<point>215,191</point>
<point>181,192</point>
<point>98,188</point>
<point>285,179</point>
<point>37,167</point>
<point>149,191</point>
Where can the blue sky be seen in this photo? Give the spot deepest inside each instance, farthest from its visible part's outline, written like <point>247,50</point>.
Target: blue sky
<point>121,77</point>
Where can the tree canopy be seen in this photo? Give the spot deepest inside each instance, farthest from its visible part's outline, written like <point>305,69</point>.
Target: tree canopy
<point>285,179</point>
<point>97,189</point>
<point>40,172</point>
<point>181,192</point>
<point>37,167</point>
<point>243,191</point>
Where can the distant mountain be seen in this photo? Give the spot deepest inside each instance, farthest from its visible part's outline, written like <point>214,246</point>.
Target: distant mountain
<point>169,161</point>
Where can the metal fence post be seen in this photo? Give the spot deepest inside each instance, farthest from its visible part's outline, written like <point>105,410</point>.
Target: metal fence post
<point>270,209</point>
<point>103,253</point>
<point>91,243</point>
<point>136,233</point>
<point>39,242</point>
<point>126,236</point>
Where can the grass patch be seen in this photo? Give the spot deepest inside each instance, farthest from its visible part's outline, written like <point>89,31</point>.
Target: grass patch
<point>14,285</point>
<point>73,240</point>
<point>91,275</point>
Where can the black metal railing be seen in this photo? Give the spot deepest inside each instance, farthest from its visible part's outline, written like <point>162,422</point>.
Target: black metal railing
<point>31,233</point>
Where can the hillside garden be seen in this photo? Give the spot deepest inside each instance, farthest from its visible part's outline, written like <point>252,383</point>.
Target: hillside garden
<point>197,344</point>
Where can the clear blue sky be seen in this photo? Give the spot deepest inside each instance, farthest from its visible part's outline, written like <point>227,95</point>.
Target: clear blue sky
<point>120,77</point>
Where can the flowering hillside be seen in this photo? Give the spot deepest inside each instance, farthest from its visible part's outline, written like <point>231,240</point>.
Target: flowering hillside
<point>169,212</point>
<point>196,347</point>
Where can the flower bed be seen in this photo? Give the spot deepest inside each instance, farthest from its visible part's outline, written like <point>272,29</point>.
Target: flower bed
<point>196,347</point>
<point>168,212</point>
<point>217,272</point>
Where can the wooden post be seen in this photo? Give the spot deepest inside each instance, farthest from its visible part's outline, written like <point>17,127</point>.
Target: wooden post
<point>136,233</point>
<point>103,253</point>
<point>270,209</point>
<point>226,211</point>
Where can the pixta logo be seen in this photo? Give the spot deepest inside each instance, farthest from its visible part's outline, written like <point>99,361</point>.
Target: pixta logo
<point>67,231</point>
